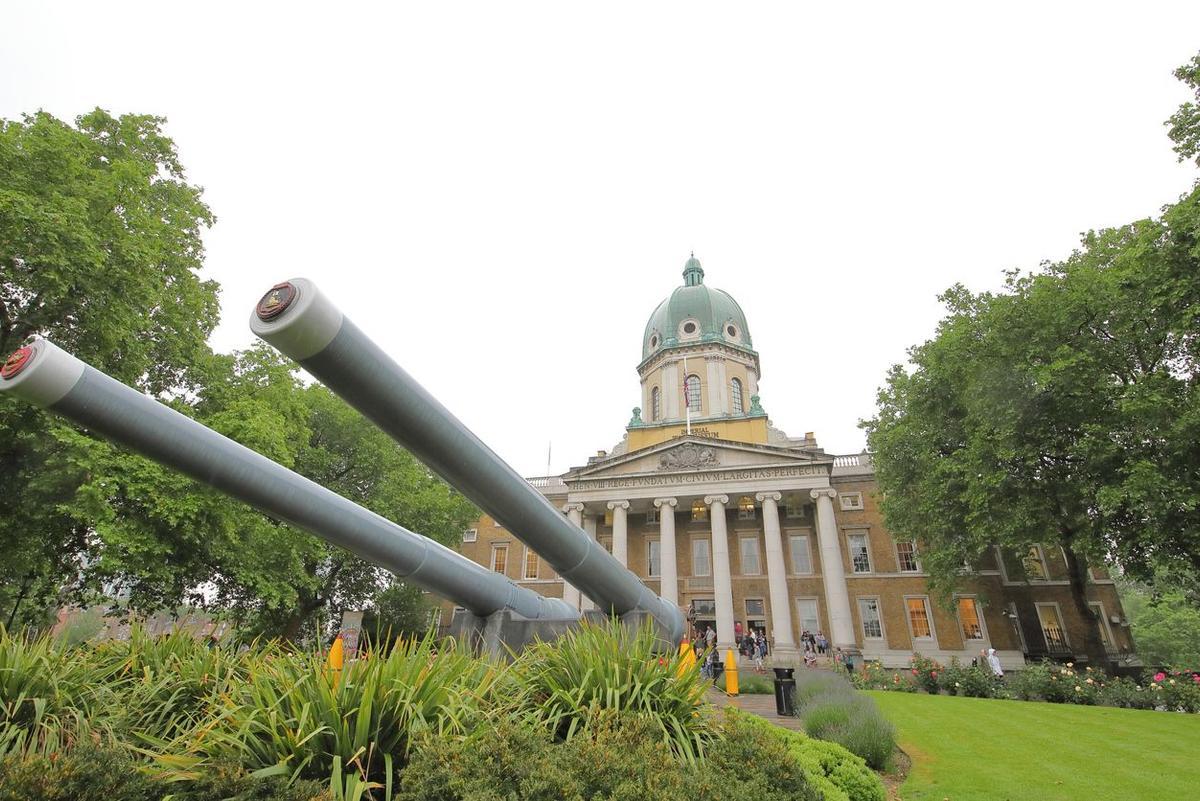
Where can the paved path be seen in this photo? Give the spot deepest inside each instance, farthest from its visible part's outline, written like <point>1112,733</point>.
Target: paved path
<point>761,705</point>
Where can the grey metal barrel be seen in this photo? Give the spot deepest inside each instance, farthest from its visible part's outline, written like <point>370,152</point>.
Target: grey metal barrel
<point>301,322</point>
<point>47,376</point>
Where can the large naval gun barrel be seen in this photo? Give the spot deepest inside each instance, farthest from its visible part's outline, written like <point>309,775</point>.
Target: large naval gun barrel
<point>301,322</point>
<point>48,376</point>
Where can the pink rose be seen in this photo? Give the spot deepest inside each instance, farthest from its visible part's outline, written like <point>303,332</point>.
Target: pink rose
<point>915,673</point>
<point>1159,676</point>
<point>933,674</point>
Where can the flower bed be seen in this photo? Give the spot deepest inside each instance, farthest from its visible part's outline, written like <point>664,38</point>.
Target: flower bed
<point>1170,690</point>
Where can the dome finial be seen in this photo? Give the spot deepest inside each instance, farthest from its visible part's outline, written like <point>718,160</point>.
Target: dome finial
<point>693,273</point>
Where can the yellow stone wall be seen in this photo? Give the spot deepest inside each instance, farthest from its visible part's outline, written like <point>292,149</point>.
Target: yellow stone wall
<point>753,430</point>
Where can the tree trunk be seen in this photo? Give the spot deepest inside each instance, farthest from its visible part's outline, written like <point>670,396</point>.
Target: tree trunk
<point>20,598</point>
<point>1093,645</point>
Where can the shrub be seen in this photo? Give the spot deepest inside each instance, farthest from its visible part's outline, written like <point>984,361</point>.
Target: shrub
<point>753,761</point>
<point>834,771</point>
<point>49,696</point>
<point>1178,690</point>
<point>973,681</point>
<point>855,723</point>
<point>83,774</point>
<point>812,685</point>
<point>755,685</point>
<point>927,673</point>
<point>832,710</point>
<point>1127,693</point>
<point>292,717</point>
<point>607,667</point>
<point>168,684</point>
<point>618,756</point>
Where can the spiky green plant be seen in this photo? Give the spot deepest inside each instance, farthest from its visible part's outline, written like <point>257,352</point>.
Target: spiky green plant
<point>48,694</point>
<point>292,716</point>
<point>598,668</point>
<point>167,684</point>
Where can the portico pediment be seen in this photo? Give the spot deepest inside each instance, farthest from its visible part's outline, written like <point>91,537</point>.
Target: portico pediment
<point>691,459</point>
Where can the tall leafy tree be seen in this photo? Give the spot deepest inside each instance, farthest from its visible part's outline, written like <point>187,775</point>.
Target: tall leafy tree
<point>1063,410</point>
<point>100,249</point>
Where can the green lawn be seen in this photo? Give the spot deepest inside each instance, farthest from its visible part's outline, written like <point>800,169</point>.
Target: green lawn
<point>974,749</point>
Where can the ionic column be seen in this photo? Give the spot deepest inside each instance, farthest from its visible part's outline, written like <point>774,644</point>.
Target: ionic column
<point>620,510</point>
<point>589,527</point>
<point>781,604</point>
<point>833,572</point>
<point>669,586</point>
<point>722,580</point>
<point>575,515</point>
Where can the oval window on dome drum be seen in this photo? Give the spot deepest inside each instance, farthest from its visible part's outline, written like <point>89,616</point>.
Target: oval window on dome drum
<point>732,331</point>
<point>689,328</point>
<point>654,341</point>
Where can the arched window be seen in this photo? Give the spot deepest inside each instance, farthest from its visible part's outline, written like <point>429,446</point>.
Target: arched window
<point>736,387</point>
<point>691,392</point>
<point>655,404</point>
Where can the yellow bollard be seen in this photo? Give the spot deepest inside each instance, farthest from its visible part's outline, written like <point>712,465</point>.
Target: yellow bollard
<point>687,658</point>
<point>336,656</point>
<point>731,687</point>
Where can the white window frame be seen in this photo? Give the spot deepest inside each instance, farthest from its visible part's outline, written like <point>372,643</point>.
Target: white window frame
<point>916,560</point>
<point>654,516</point>
<point>746,608</point>
<point>866,535</point>
<point>707,553</point>
<point>698,408</point>
<point>932,638</point>
<point>800,616</point>
<point>1015,619</point>
<point>794,511</point>
<point>471,535</point>
<point>525,565</point>
<point>1062,624</point>
<point>650,572</point>
<point>1104,627</point>
<point>655,404</point>
<point>700,513</point>
<point>983,631</point>
<point>792,553</point>
<point>742,556</point>
<point>851,501</point>
<point>862,618</point>
<point>496,547</point>
<point>737,404</point>
<point>1041,559</point>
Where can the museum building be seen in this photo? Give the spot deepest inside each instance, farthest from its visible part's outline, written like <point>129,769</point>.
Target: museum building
<point>745,527</point>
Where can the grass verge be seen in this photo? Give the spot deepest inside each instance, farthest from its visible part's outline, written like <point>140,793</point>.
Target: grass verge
<point>976,749</point>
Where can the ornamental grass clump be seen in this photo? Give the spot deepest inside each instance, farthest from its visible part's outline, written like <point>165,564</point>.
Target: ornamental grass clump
<point>832,710</point>
<point>293,716</point>
<point>49,696</point>
<point>608,668</point>
<point>168,684</point>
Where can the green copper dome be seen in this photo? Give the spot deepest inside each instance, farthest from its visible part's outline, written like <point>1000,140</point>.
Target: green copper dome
<point>695,313</point>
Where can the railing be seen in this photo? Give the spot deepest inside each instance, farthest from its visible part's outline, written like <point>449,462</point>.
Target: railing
<point>547,483</point>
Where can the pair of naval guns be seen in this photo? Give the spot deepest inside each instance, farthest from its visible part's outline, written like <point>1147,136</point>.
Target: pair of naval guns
<point>303,324</point>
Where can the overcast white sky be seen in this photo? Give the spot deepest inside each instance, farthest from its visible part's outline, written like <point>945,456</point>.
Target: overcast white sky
<point>500,193</point>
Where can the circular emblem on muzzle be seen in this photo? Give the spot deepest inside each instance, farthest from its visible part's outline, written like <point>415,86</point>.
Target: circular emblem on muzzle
<point>276,301</point>
<point>16,362</point>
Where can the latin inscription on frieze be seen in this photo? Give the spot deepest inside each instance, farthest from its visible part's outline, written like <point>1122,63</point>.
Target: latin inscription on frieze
<point>715,476</point>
